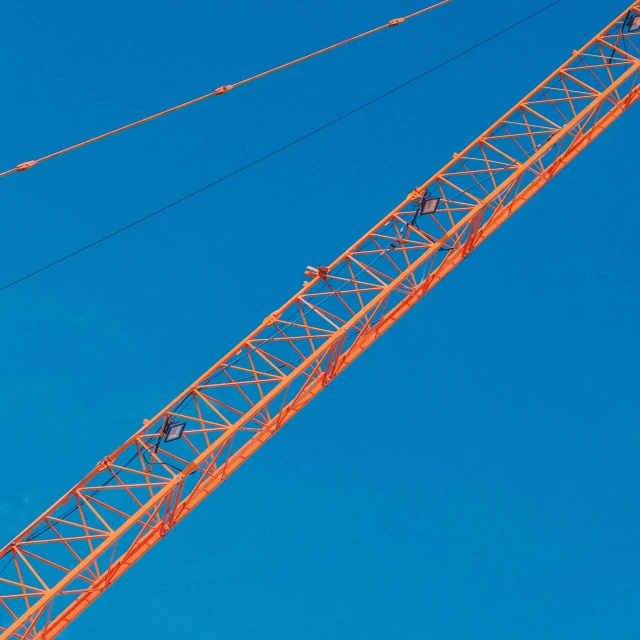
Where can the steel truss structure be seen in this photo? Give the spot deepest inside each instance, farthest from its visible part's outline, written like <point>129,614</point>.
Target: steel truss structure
<point>63,561</point>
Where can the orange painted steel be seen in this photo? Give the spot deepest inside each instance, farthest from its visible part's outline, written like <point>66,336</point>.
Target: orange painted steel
<point>25,166</point>
<point>63,561</point>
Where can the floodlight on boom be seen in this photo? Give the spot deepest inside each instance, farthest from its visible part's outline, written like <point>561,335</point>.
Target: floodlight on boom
<point>173,430</point>
<point>428,205</point>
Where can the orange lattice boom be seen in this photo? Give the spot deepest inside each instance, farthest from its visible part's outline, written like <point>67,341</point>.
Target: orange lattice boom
<point>62,562</point>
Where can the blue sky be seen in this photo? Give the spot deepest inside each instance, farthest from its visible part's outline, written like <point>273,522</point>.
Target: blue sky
<point>474,475</point>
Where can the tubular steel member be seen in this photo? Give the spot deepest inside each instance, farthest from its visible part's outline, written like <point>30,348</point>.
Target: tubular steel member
<point>63,561</point>
<point>220,91</point>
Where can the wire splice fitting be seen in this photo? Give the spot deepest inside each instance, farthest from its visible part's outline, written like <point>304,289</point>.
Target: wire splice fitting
<point>222,90</point>
<point>23,166</point>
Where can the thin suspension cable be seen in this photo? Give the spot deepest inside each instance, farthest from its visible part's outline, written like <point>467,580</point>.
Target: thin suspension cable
<point>277,151</point>
<point>24,166</point>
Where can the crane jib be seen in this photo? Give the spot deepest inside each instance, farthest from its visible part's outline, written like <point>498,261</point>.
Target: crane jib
<point>72,553</point>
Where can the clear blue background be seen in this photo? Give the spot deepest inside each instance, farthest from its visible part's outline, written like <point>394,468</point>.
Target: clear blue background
<point>475,475</point>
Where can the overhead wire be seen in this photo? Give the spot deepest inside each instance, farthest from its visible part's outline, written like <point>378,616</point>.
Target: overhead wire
<point>24,166</point>
<point>280,149</point>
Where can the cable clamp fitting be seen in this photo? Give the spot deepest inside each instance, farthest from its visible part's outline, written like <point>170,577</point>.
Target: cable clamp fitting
<point>396,21</point>
<point>23,166</point>
<point>415,194</point>
<point>220,90</point>
<point>317,272</point>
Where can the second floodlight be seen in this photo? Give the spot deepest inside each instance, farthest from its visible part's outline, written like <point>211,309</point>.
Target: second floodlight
<point>634,24</point>
<point>428,205</point>
<point>173,430</point>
